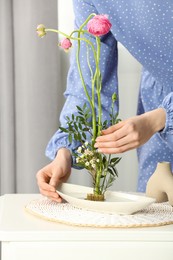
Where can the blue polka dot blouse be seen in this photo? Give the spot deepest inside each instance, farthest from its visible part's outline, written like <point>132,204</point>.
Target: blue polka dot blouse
<point>145,28</point>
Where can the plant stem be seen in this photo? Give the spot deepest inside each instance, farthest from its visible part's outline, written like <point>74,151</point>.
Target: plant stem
<point>97,183</point>
<point>98,86</point>
<point>74,38</point>
<point>87,20</point>
<point>85,89</point>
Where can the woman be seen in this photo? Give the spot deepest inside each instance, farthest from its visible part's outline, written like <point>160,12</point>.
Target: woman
<point>145,28</point>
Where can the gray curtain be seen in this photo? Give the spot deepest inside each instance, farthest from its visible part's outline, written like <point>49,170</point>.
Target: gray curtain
<point>30,92</point>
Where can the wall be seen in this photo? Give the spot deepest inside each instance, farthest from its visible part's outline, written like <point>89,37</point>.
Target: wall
<point>129,79</point>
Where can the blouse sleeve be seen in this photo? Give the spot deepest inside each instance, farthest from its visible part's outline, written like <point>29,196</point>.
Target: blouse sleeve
<point>74,93</point>
<point>167,132</point>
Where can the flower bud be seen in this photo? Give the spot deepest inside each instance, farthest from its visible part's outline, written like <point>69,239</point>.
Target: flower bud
<point>41,30</point>
<point>114,97</point>
<point>65,44</point>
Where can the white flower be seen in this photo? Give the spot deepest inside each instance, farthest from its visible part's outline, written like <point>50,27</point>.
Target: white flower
<point>97,160</point>
<point>79,150</point>
<point>92,161</point>
<point>93,165</point>
<point>77,160</point>
<point>87,164</point>
<point>86,143</point>
<point>86,152</point>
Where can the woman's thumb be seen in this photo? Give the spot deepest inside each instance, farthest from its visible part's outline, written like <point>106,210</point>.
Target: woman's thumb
<point>54,181</point>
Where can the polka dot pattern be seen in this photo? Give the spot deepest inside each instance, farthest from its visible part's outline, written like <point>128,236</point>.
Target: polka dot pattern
<point>145,28</point>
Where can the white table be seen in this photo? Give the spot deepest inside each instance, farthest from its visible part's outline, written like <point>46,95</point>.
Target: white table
<point>26,237</point>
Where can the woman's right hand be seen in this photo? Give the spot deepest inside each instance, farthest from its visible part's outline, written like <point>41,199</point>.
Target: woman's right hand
<point>49,177</point>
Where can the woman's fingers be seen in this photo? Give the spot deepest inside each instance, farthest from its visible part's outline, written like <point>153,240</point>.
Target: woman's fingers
<point>112,128</point>
<point>119,146</point>
<point>46,187</point>
<point>114,136</point>
<point>52,195</point>
<point>115,144</point>
<point>117,150</point>
<point>49,177</point>
<point>49,191</point>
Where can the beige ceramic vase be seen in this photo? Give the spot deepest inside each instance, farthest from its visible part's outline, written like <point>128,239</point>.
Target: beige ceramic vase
<point>160,184</point>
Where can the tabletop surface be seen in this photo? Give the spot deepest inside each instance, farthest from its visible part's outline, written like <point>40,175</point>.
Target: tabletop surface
<point>16,224</point>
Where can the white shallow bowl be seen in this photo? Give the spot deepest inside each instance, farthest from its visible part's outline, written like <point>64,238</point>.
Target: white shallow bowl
<point>115,202</point>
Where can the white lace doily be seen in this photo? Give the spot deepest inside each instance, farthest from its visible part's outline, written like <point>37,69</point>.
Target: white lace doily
<point>156,214</point>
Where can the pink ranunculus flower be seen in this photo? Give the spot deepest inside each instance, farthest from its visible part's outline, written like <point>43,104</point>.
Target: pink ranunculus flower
<point>65,44</point>
<point>99,25</point>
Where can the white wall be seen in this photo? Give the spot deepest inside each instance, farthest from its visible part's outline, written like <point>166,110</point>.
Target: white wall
<point>129,78</point>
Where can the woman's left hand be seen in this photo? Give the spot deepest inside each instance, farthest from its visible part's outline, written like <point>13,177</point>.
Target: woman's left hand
<point>131,133</point>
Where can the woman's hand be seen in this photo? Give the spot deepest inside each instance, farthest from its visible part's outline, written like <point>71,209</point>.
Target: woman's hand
<point>131,133</point>
<point>54,173</point>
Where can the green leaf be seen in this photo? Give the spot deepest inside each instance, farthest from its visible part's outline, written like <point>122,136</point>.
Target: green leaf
<point>68,118</point>
<point>70,138</point>
<point>75,126</point>
<point>81,113</point>
<point>79,108</point>
<point>75,154</point>
<point>84,135</point>
<point>87,116</point>
<point>75,137</point>
<point>113,171</point>
<point>105,122</point>
<point>82,165</point>
<point>81,118</point>
<point>79,136</point>
<point>118,120</point>
<point>80,126</point>
<point>104,159</point>
<point>88,111</point>
<point>71,128</point>
<point>110,171</point>
<point>86,129</point>
<point>84,106</point>
<point>63,129</point>
<point>116,172</point>
<point>115,160</point>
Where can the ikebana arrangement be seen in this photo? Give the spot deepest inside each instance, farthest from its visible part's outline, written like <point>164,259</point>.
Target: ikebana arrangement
<point>86,124</point>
